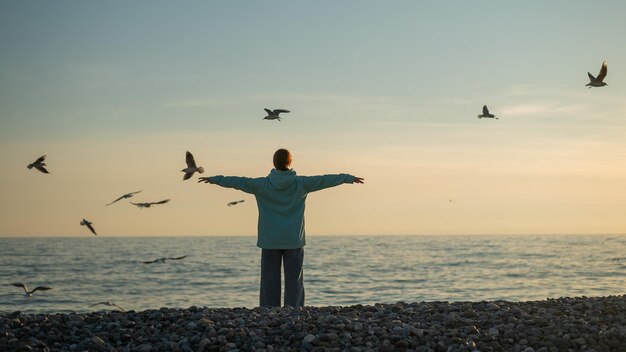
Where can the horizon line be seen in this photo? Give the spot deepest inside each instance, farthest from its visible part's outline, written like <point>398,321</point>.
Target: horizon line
<point>327,235</point>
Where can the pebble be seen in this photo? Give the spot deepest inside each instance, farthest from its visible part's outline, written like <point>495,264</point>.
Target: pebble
<point>574,323</point>
<point>146,347</point>
<point>98,342</point>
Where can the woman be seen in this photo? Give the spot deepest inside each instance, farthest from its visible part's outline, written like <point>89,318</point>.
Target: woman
<point>281,198</point>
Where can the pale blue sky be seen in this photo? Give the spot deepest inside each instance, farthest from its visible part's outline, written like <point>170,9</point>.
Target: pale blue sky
<point>386,90</point>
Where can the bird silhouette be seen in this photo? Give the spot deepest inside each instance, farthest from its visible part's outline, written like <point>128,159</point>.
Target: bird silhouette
<point>110,304</point>
<point>89,224</point>
<point>29,292</point>
<point>162,260</point>
<point>273,114</point>
<point>127,195</point>
<point>191,167</point>
<point>39,164</point>
<point>598,81</point>
<point>486,114</point>
<point>148,205</point>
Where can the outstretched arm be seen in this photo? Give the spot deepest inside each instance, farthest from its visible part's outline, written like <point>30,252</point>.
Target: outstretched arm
<point>316,183</point>
<point>245,184</point>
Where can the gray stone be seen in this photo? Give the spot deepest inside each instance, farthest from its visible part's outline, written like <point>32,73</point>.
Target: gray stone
<point>76,318</point>
<point>98,342</point>
<point>202,344</point>
<point>580,341</point>
<point>146,347</point>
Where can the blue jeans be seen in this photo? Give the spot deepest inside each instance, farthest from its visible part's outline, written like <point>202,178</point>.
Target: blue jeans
<point>292,260</point>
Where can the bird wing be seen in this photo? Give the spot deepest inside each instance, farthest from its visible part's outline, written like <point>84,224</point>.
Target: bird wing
<point>187,175</point>
<point>161,202</point>
<point>278,111</point>
<point>88,224</point>
<point>177,258</point>
<point>151,261</point>
<point>603,71</point>
<point>21,285</point>
<point>122,197</point>
<point>127,195</point>
<point>40,159</point>
<point>190,161</point>
<point>43,288</point>
<point>41,168</point>
<point>269,112</point>
<point>485,110</point>
<point>591,77</point>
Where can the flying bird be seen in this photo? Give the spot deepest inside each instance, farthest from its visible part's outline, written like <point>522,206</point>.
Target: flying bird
<point>191,167</point>
<point>235,202</point>
<point>148,205</point>
<point>273,114</point>
<point>597,81</point>
<point>127,195</point>
<point>28,292</point>
<point>162,260</point>
<point>486,113</point>
<point>39,165</point>
<point>89,226</point>
<point>110,304</point>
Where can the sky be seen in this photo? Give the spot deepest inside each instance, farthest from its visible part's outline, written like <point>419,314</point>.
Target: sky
<point>115,93</point>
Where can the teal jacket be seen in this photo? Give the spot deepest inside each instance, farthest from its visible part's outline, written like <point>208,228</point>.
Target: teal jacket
<point>281,198</point>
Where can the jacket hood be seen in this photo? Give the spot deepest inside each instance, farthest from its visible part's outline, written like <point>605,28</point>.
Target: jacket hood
<point>282,179</point>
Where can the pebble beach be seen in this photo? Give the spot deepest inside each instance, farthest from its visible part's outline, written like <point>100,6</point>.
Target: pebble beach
<point>563,324</point>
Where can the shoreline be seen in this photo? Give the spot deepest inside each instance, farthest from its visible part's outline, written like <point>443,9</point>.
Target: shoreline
<point>562,324</point>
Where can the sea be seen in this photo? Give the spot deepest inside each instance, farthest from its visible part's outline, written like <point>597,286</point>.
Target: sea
<point>224,272</point>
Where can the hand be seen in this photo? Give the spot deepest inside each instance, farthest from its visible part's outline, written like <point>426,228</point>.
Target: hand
<point>204,179</point>
<point>358,180</point>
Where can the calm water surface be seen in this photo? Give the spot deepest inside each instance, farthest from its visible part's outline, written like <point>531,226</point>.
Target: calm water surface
<point>339,270</point>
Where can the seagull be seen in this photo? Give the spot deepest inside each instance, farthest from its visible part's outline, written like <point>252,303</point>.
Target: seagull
<point>486,113</point>
<point>235,202</point>
<point>110,304</point>
<point>597,81</point>
<point>30,293</point>
<point>88,224</point>
<point>191,167</point>
<point>148,205</point>
<point>273,115</point>
<point>39,164</point>
<point>162,260</point>
<point>127,195</point>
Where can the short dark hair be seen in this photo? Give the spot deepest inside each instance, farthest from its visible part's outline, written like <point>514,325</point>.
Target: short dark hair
<point>282,159</point>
